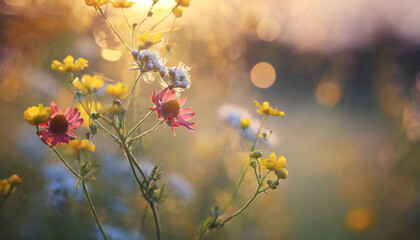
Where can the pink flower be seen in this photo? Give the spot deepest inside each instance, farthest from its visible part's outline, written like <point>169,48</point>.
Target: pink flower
<point>58,129</point>
<point>169,108</point>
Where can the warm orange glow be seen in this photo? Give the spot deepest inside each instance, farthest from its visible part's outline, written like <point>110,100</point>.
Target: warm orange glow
<point>263,75</point>
<point>359,219</point>
<point>327,94</point>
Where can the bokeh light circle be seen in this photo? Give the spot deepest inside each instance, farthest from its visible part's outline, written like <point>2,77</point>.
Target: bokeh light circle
<point>111,54</point>
<point>328,94</point>
<point>263,75</point>
<point>268,29</point>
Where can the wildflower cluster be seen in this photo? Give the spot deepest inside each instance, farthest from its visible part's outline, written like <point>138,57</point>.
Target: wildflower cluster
<point>110,116</point>
<point>261,166</point>
<point>176,77</point>
<point>148,60</point>
<point>55,127</point>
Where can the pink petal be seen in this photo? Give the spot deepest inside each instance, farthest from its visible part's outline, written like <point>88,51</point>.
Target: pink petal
<point>187,116</point>
<point>182,101</point>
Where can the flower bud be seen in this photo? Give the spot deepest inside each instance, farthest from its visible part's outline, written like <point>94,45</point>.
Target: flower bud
<point>256,154</point>
<point>253,164</point>
<point>269,182</point>
<point>245,123</point>
<point>135,53</point>
<point>15,179</point>
<point>95,115</point>
<point>282,173</point>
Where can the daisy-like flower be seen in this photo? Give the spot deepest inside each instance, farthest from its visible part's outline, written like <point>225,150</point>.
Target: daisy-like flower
<point>265,109</point>
<point>88,83</point>
<point>118,90</point>
<point>146,39</point>
<point>96,107</point>
<point>58,129</point>
<point>36,115</point>
<point>122,4</point>
<point>169,108</point>
<point>83,145</point>
<point>276,165</point>
<point>96,3</point>
<point>69,65</point>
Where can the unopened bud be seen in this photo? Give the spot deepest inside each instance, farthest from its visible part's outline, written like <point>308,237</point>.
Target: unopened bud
<point>15,179</point>
<point>95,115</point>
<point>256,154</point>
<point>282,173</point>
<point>135,53</point>
<point>253,164</point>
<point>269,182</point>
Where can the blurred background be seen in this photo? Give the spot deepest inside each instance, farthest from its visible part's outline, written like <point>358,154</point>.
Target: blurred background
<point>346,73</point>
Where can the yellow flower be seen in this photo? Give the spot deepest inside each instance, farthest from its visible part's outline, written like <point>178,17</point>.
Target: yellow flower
<point>183,3</point>
<point>96,3</point>
<point>5,187</point>
<point>265,109</point>
<point>36,115</point>
<point>88,83</point>
<point>272,163</point>
<point>95,108</point>
<point>118,90</point>
<point>177,12</point>
<point>69,65</point>
<point>276,165</point>
<point>146,38</point>
<point>245,123</point>
<point>81,145</point>
<point>122,4</point>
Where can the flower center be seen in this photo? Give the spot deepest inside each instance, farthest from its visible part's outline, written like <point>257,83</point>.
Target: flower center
<point>59,124</point>
<point>170,107</point>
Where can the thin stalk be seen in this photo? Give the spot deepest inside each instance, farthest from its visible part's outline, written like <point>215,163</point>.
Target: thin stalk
<point>148,131</point>
<point>116,33</point>
<point>130,95</point>
<point>160,21</point>
<point>139,123</point>
<point>258,133</point>
<point>66,164</point>
<point>92,209</point>
<point>235,192</point>
<point>151,203</point>
<point>147,16</point>
<point>156,218</point>
<point>245,206</point>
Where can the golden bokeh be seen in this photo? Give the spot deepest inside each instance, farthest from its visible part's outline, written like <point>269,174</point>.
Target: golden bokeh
<point>268,29</point>
<point>263,75</point>
<point>111,54</point>
<point>360,219</point>
<point>328,94</point>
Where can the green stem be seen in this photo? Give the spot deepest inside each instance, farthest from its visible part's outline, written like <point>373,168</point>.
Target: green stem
<point>160,21</point>
<point>258,133</point>
<point>65,163</point>
<point>235,192</point>
<point>156,218</point>
<point>139,123</point>
<point>92,209</point>
<point>148,131</point>
<point>245,206</point>
<point>116,33</point>
<point>147,16</point>
<point>130,95</point>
